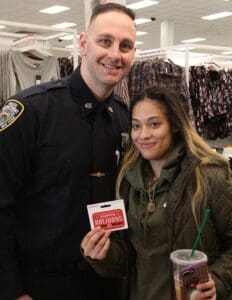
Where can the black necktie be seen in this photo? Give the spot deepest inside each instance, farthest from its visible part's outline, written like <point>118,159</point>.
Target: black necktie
<point>103,163</point>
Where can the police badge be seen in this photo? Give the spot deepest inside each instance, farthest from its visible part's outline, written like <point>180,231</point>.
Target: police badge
<point>10,112</point>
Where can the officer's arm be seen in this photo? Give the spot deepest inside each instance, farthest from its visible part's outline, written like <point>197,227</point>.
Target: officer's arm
<point>15,139</point>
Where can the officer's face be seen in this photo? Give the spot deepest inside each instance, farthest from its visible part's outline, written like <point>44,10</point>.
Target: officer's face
<point>107,50</point>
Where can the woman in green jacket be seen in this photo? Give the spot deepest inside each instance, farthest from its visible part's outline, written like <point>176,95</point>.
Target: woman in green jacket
<point>168,177</point>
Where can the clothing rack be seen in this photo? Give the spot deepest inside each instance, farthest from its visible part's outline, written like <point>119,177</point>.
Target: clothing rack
<point>187,53</point>
<point>150,53</point>
<point>58,33</point>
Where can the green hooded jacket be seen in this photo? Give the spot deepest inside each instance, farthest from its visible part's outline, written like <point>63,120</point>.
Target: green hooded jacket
<point>173,192</point>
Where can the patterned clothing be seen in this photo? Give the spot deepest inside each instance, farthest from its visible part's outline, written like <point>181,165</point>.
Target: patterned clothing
<point>121,89</point>
<point>159,72</point>
<point>65,65</point>
<point>211,96</point>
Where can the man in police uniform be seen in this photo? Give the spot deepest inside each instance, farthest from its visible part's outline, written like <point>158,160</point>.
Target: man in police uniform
<point>60,145</point>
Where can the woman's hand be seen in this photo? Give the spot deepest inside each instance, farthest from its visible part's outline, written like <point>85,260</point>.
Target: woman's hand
<point>96,243</point>
<point>25,297</point>
<point>207,290</point>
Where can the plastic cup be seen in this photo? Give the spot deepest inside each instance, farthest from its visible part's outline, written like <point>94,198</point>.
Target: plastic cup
<point>183,262</point>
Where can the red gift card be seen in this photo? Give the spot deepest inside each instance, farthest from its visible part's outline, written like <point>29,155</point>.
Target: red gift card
<point>111,219</point>
<point>109,215</point>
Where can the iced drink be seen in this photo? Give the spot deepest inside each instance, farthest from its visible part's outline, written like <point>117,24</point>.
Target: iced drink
<point>188,272</point>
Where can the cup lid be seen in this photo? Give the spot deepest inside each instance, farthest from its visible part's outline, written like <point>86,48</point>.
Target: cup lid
<point>183,256</point>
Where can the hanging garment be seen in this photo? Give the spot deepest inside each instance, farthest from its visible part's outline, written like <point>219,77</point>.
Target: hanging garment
<point>159,72</point>
<point>65,65</point>
<point>121,89</point>
<point>4,74</point>
<point>24,71</point>
<point>211,98</point>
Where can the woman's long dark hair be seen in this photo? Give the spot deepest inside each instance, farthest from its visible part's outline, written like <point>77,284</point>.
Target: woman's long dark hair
<point>183,131</point>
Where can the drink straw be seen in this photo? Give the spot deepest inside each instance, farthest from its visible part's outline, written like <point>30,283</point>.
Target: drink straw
<point>205,217</point>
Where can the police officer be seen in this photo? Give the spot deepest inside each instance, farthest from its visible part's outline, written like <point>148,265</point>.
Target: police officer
<point>60,145</point>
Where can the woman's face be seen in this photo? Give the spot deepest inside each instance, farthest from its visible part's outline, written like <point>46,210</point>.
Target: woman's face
<point>151,130</point>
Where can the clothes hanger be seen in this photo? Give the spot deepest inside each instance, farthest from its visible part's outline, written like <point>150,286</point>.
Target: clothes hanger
<point>36,52</point>
<point>31,47</point>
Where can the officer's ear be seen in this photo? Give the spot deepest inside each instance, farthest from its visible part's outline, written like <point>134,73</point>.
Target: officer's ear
<point>83,43</point>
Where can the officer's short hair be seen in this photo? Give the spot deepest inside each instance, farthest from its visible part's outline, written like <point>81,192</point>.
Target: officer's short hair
<point>108,7</point>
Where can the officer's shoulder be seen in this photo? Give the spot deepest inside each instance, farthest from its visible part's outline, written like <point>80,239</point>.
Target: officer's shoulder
<point>41,89</point>
<point>119,102</point>
<point>15,106</point>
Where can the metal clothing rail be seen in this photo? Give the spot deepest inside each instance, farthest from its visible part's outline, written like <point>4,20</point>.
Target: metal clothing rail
<point>60,32</point>
<point>150,53</point>
<point>187,50</point>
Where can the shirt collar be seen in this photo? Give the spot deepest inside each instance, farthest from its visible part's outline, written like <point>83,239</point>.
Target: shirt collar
<point>83,95</point>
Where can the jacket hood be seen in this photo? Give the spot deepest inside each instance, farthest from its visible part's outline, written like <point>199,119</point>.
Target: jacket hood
<point>138,174</point>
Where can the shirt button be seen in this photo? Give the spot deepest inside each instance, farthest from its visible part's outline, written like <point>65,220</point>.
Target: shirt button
<point>88,105</point>
<point>67,161</point>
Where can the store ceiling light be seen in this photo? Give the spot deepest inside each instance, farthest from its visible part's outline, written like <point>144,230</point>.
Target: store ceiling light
<point>2,26</point>
<point>68,37</point>
<point>229,62</point>
<point>64,25</point>
<point>184,48</point>
<point>226,52</point>
<point>141,32</point>
<point>71,47</point>
<point>195,40</point>
<point>142,21</point>
<point>54,9</point>
<point>218,15</point>
<point>139,43</point>
<point>141,4</point>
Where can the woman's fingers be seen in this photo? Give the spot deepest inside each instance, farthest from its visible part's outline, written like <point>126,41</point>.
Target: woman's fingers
<point>96,243</point>
<point>101,249</point>
<point>207,289</point>
<point>89,239</point>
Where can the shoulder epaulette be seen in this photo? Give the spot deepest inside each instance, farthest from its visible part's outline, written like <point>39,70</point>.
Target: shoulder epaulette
<point>42,88</point>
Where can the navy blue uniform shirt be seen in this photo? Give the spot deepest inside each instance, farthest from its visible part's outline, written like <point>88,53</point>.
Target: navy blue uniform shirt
<point>57,154</point>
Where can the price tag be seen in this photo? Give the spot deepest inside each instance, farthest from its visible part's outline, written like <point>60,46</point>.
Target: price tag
<point>109,215</point>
